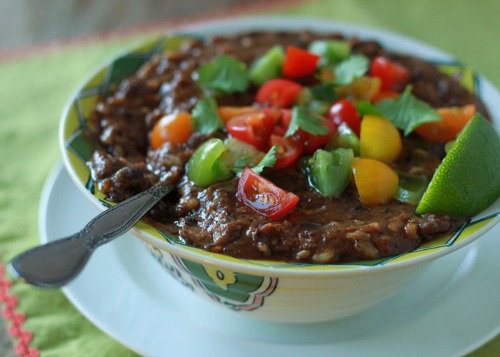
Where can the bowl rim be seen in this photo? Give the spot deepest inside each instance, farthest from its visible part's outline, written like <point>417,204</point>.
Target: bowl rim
<point>390,40</point>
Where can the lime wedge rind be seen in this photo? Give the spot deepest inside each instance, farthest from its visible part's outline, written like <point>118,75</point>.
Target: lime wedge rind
<point>468,180</point>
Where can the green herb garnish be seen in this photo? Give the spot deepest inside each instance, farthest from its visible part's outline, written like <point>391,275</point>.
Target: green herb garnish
<point>364,107</point>
<point>324,91</point>
<point>407,112</point>
<point>351,68</point>
<point>224,74</point>
<point>303,119</point>
<point>267,161</point>
<point>204,117</point>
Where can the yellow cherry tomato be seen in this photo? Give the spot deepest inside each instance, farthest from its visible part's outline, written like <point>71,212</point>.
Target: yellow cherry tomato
<point>362,88</point>
<point>376,182</point>
<point>379,139</point>
<point>174,128</point>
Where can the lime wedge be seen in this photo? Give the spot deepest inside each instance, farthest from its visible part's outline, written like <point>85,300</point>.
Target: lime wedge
<point>468,179</point>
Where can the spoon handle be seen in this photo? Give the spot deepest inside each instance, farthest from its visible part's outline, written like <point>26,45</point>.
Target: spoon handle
<point>118,219</point>
<point>56,263</point>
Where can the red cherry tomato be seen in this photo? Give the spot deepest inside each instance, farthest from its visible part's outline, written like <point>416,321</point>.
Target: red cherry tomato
<point>310,141</point>
<point>393,75</point>
<point>299,63</point>
<point>288,152</point>
<point>314,142</point>
<point>343,111</point>
<point>279,93</point>
<point>254,128</point>
<point>264,197</point>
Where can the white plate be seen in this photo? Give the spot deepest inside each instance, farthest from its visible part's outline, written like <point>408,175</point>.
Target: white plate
<point>449,310</point>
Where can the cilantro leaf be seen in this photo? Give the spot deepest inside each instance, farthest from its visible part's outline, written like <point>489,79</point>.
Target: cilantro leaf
<point>364,107</point>
<point>267,161</point>
<point>303,119</point>
<point>407,112</point>
<point>324,91</point>
<point>351,68</point>
<point>224,74</point>
<point>204,116</point>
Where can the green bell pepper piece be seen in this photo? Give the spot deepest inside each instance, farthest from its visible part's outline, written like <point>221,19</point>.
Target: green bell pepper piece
<point>205,166</point>
<point>329,172</point>
<point>410,188</point>
<point>344,137</point>
<point>330,51</point>
<point>268,66</point>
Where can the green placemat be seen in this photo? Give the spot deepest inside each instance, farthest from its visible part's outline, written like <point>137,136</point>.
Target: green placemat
<point>33,92</point>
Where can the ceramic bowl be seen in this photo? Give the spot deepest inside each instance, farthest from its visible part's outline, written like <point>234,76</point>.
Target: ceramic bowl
<point>264,289</point>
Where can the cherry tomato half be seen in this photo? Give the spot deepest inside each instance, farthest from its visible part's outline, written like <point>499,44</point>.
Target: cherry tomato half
<point>254,128</point>
<point>264,197</point>
<point>174,128</point>
<point>288,152</point>
<point>393,75</point>
<point>343,111</point>
<point>314,142</point>
<point>227,113</point>
<point>309,141</point>
<point>279,93</point>
<point>447,129</point>
<point>299,63</point>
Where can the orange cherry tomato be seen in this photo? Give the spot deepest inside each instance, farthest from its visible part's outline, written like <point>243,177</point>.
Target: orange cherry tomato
<point>379,139</point>
<point>174,128</point>
<point>227,113</point>
<point>447,129</point>
<point>376,182</point>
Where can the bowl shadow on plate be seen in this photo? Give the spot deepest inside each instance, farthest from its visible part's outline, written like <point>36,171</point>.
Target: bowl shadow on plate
<point>388,315</point>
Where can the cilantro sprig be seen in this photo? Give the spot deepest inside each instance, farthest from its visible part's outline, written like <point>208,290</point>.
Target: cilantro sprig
<point>204,117</point>
<point>351,68</point>
<point>268,160</point>
<point>224,74</point>
<point>303,119</point>
<point>407,112</point>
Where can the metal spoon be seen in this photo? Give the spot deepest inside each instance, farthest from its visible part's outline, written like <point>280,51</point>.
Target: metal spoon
<point>55,264</point>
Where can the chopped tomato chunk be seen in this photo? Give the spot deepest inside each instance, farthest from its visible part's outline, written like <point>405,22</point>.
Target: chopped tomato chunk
<point>279,93</point>
<point>254,128</point>
<point>299,63</point>
<point>393,75</point>
<point>288,152</point>
<point>447,129</point>
<point>376,182</point>
<point>343,111</point>
<point>379,139</point>
<point>264,197</point>
<point>227,113</point>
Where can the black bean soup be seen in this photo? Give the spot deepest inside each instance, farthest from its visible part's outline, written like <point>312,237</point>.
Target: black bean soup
<point>320,229</point>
